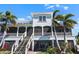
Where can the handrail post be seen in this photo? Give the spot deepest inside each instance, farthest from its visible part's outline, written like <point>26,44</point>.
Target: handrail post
<point>32,45</point>
<point>26,50</point>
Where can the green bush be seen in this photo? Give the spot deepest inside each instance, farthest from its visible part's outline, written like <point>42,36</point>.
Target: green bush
<point>69,50</point>
<point>77,41</point>
<point>51,50</point>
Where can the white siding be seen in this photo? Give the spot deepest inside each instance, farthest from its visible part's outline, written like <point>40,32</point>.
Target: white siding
<point>36,21</point>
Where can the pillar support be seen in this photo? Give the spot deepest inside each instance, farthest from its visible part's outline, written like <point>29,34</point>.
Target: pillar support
<point>17,31</point>
<point>52,30</point>
<point>33,30</point>
<point>26,31</point>
<point>42,31</point>
<point>32,45</point>
<point>52,43</point>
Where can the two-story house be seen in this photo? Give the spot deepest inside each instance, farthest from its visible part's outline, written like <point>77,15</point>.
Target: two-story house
<point>40,27</point>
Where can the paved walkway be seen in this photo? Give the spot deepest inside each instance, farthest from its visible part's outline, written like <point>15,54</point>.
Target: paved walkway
<point>33,52</point>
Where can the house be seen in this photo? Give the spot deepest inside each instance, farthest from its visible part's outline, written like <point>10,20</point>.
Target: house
<point>40,27</point>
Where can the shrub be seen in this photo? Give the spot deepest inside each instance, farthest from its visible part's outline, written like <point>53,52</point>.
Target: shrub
<point>69,50</point>
<point>51,50</point>
<point>77,41</point>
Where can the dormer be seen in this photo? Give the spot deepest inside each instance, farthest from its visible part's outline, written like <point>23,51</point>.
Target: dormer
<point>42,19</point>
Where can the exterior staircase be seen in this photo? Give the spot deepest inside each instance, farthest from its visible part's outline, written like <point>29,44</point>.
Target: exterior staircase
<point>23,46</point>
<point>2,41</point>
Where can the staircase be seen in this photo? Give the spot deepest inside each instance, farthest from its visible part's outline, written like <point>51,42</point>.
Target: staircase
<point>2,41</point>
<point>23,46</point>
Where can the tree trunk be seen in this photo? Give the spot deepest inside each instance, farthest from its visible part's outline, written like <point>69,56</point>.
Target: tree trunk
<point>65,41</point>
<point>55,35</point>
<point>52,35</point>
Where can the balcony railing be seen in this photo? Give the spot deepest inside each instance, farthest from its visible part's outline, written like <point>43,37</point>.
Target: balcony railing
<point>12,34</point>
<point>37,34</point>
<point>62,33</point>
<point>46,34</point>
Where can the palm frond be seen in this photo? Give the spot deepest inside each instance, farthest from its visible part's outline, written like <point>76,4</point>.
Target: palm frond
<point>69,25</point>
<point>1,15</point>
<point>56,23</point>
<point>71,21</point>
<point>59,17</point>
<point>68,16</point>
<point>7,13</point>
<point>54,13</point>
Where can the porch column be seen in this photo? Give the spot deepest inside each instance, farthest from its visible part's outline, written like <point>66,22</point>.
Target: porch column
<point>26,31</point>
<point>33,30</point>
<point>17,31</point>
<point>52,31</point>
<point>42,31</point>
<point>32,45</point>
<point>52,43</point>
<point>74,42</point>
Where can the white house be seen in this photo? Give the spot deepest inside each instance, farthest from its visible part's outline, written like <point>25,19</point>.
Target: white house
<point>40,27</point>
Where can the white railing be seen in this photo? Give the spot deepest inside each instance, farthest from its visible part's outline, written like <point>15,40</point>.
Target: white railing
<point>28,44</point>
<point>62,33</point>
<point>16,44</point>
<point>2,40</point>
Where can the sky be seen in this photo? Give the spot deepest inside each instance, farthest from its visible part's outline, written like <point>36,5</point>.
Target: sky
<point>25,10</point>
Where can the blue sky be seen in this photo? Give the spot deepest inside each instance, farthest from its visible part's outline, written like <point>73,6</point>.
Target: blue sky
<point>25,10</point>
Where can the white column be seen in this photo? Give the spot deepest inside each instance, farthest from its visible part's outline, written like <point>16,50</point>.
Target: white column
<point>52,43</point>
<point>42,31</point>
<point>74,42</point>
<point>32,45</point>
<point>33,30</point>
<point>26,51</point>
<point>26,31</point>
<point>17,31</point>
<point>52,30</point>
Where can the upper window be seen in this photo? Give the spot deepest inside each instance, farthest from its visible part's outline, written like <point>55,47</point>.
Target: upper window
<point>40,18</point>
<point>44,18</point>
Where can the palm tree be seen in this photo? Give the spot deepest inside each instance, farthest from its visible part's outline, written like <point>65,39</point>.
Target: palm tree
<point>54,23</point>
<point>7,17</point>
<point>68,23</point>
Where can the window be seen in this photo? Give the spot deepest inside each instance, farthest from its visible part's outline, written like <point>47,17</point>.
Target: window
<point>21,29</point>
<point>40,18</point>
<point>12,30</point>
<point>44,18</point>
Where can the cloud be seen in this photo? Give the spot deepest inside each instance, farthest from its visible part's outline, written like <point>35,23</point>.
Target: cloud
<point>29,17</point>
<point>57,5</point>
<point>46,5</point>
<point>49,7</point>
<point>66,7</point>
<point>21,19</point>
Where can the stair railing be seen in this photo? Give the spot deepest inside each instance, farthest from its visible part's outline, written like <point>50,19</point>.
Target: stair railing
<point>28,44</point>
<point>2,41</point>
<point>16,44</point>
